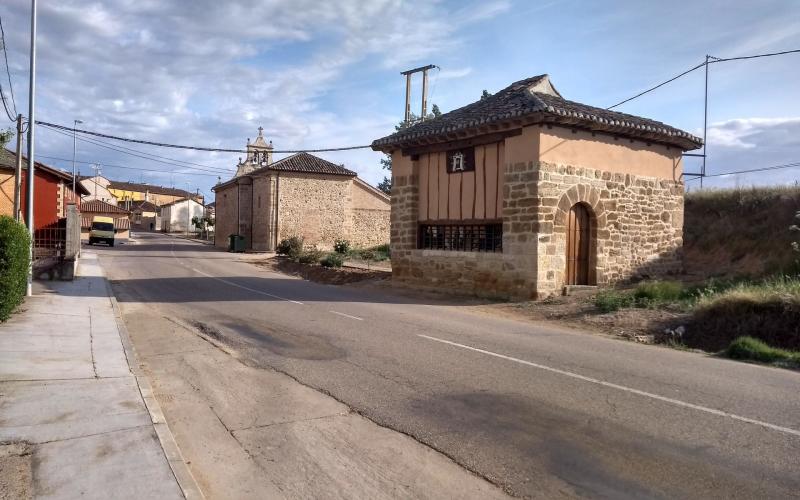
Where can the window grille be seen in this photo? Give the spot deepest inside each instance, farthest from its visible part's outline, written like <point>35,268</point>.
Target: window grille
<point>462,237</point>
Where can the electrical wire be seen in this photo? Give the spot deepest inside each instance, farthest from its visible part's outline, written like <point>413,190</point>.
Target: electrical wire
<point>175,163</point>
<point>763,169</point>
<point>8,73</point>
<point>713,60</point>
<point>122,166</point>
<point>196,148</point>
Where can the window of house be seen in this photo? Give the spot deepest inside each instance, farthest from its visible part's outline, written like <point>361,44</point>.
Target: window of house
<point>460,160</point>
<point>462,237</point>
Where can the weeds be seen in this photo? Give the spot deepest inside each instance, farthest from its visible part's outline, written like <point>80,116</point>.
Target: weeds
<point>335,259</point>
<point>752,349</point>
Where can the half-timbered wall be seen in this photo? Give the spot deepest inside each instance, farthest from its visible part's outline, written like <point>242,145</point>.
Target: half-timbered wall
<point>462,196</point>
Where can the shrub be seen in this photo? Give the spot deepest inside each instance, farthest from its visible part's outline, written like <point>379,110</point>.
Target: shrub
<point>335,259</point>
<point>749,348</point>
<point>612,300</point>
<point>290,247</point>
<point>14,262</point>
<point>310,256</point>
<point>659,291</point>
<point>341,246</point>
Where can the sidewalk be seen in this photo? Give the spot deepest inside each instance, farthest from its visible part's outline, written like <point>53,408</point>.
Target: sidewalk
<point>69,401</point>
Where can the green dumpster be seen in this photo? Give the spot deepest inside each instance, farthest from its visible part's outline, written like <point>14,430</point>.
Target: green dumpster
<point>236,243</point>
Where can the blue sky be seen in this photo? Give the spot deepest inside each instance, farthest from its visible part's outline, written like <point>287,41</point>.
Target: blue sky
<point>326,74</point>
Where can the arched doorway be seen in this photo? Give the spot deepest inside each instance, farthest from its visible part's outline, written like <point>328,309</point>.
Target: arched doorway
<point>579,236</point>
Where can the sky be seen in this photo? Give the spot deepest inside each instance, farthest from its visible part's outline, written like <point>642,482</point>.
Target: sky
<point>327,74</point>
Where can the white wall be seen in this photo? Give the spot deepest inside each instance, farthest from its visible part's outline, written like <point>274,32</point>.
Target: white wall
<point>175,217</point>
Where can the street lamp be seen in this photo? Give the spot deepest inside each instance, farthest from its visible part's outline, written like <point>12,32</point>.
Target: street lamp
<point>74,147</point>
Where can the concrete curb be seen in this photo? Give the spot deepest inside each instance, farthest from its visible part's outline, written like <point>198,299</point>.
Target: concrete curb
<point>180,470</point>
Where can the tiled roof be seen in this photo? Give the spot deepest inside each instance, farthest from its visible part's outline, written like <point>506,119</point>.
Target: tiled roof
<point>143,205</point>
<point>142,188</point>
<point>8,161</point>
<point>306,163</point>
<point>535,100</point>
<point>100,206</point>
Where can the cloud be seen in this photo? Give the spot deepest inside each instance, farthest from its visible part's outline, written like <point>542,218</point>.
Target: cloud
<point>211,74</point>
<point>752,143</point>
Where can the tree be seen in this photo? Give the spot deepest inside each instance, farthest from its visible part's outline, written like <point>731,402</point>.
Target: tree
<point>485,94</point>
<point>386,163</point>
<point>6,136</point>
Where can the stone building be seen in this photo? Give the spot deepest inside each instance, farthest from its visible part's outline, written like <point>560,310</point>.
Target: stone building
<point>300,195</point>
<point>524,192</point>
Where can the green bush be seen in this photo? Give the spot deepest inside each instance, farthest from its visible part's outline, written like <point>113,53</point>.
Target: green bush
<point>659,291</point>
<point>335,259</point>
<point>14,262</point>
<point>341,246</point>
<point>749,348</point>
<point>290,247</point>
<point>612,300</point>
<point>310,256</point>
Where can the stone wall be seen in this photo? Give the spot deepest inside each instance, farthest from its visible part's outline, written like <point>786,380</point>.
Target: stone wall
<point>263,213</point>
<point>314,207</point>
<point>638,223</point>
<point>226,214</point>
<point>638,232</point>
<point>370,227</point>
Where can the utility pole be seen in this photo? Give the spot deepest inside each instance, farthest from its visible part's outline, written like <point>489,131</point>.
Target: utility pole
<point>18,173</point>
<point>188,209</point>
<point>97,172</point>
<point>74,148</point>
<point>31,159</point>
<point>705,127</point>
<point>424,71</point>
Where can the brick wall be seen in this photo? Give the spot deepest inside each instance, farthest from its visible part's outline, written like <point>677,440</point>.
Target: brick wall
<point>7,194</point>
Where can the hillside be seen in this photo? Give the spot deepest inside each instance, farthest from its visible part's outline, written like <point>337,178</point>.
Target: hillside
<point>740,232</point>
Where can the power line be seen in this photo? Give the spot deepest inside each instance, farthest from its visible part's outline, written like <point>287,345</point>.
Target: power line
<point>763,169</point>
<point>693,68</point>
<point>8,73</point>
<point>176,163</point>
<point>124,167</point>
<point>196,148</point>
<point>640,94</point>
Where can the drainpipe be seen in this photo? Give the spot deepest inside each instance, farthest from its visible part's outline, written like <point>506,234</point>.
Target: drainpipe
<point>277,206</point>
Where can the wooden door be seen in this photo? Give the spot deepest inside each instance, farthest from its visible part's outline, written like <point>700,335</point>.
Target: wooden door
<point>578,245</point>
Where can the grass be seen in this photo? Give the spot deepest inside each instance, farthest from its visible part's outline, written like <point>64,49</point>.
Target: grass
<point>646,294</point>
<point>377,253</point>
<point>752,349</point>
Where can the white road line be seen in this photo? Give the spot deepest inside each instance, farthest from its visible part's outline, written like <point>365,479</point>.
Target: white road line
<point>676,402</point>
<point>231,283</point>
<point>347,315</point>
<point>237,285</point>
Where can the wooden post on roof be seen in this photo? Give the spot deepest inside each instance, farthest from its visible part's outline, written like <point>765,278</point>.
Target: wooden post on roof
<point>424,70</point>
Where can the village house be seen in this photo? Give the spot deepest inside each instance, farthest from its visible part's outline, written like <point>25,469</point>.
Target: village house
<point>177,216</point>
<point>97,188</point>
<point>523,193</point>
<point>98,208</point>
<point>124,193</point>
<point>145,216</point>
<point>52,189</point>
<point>300,195</point>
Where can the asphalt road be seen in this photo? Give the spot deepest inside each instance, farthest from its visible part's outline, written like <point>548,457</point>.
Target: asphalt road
<point>540,411</point>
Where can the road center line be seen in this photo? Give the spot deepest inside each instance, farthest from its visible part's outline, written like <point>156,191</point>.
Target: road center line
<point>631,390</point>
<point>231,283</point>
<point>237,285</point>
<point>347,315</point>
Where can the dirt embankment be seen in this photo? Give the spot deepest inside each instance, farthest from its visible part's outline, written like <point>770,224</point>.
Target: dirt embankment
<point>740,232</point>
